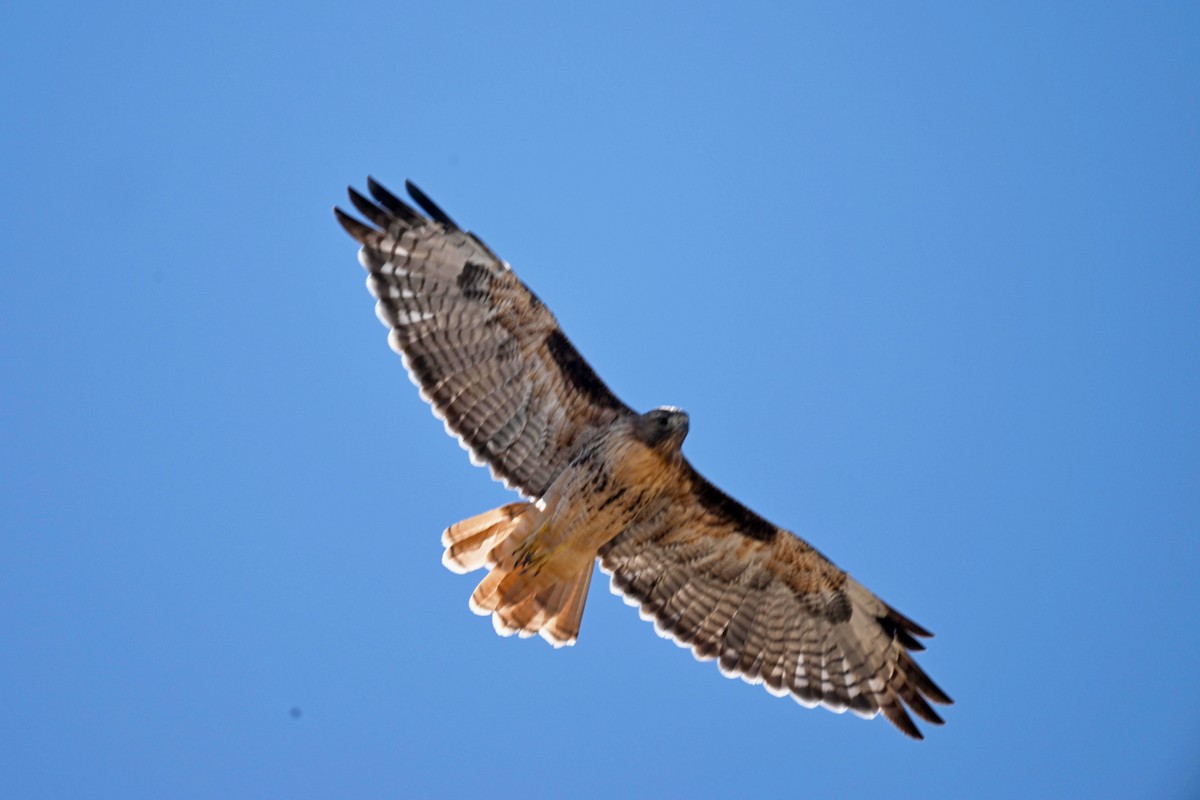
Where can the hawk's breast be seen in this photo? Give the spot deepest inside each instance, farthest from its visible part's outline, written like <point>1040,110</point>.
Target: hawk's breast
<point>616,481</point>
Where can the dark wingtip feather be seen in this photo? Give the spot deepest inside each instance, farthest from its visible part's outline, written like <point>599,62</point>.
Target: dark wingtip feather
<point>392,203</point>
<point>917,703</point>
<point>368,209</point>
<point>903,629</point>
<point>934,692</point>
<point>429,207</point>
<point>896,715</point>
<point>356,229</point>
<point>922,683</point>
<point>908,624</point>
<point>894,626</point>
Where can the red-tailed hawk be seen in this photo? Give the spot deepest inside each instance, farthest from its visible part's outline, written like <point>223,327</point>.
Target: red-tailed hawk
<point>603,481</point>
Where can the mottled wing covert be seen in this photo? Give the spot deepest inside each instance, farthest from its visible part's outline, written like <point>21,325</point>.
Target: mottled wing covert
<point>719,579</point>
<point>487,355</point>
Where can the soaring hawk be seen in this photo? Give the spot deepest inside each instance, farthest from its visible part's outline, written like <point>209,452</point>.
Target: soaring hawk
<point>603,481</point>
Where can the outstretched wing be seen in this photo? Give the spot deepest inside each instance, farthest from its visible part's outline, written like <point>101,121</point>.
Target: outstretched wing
<point>488,356</point>
<point>716,577</point>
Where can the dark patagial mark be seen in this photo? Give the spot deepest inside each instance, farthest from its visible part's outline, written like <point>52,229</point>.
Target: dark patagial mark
<point>578,373</point>
<point>721,504</point>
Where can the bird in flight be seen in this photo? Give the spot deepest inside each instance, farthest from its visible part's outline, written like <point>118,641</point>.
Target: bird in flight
<point>602,481</point>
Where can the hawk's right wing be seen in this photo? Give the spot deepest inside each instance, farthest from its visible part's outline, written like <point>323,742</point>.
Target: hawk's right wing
<point>488,356</point>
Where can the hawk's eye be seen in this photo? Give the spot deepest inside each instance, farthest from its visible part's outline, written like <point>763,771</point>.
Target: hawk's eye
<point>662,421</point>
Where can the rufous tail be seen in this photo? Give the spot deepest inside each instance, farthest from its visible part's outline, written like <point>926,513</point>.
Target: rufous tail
<point>530,588</point>
<point>468,542</point>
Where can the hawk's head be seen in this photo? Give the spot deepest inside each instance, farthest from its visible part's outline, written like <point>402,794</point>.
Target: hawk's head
<point>664,427</point>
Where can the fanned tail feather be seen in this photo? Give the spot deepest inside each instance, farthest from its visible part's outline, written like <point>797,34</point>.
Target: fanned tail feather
<point>469,542</point>
<point>530,589</point>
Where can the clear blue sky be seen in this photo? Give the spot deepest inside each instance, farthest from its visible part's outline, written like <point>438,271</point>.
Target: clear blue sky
<point>927,279</point>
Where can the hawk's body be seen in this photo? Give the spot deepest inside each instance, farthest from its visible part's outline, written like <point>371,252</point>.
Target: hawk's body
<point>607,482</point>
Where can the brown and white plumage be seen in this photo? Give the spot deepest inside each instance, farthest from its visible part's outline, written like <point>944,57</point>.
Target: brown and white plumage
<point>603,481</point>
<point>488,356</point>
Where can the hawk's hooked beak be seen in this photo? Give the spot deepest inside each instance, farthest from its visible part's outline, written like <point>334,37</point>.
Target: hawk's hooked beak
<point>680,423</point>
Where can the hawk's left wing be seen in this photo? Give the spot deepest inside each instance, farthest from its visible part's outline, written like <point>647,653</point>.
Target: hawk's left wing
<point>716,577</point>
